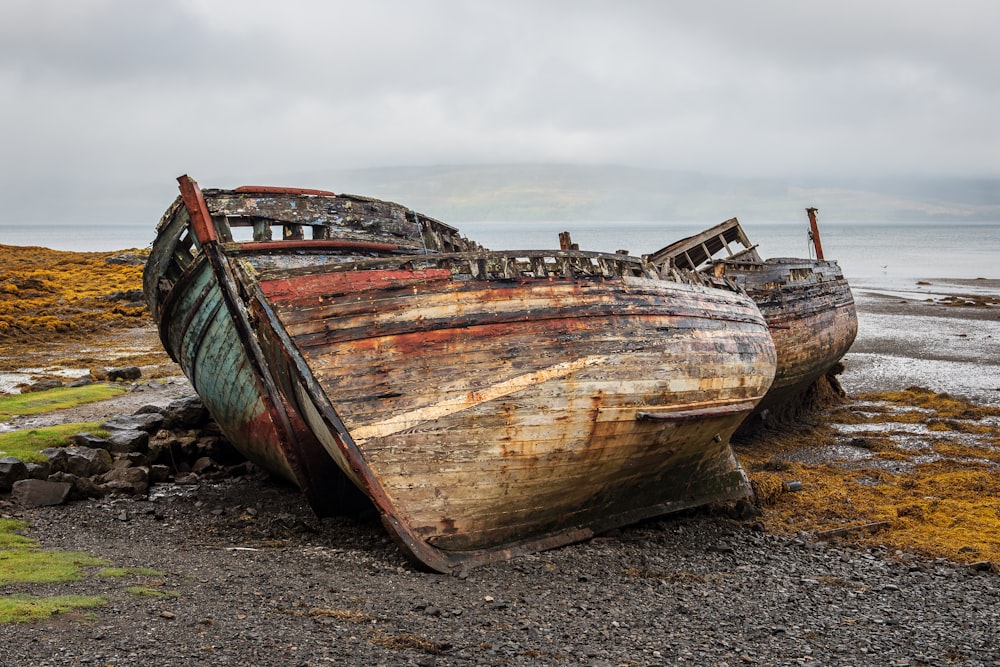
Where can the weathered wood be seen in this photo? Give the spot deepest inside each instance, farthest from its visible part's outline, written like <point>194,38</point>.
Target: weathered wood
<point>487,403</point>
<point>807,304</point>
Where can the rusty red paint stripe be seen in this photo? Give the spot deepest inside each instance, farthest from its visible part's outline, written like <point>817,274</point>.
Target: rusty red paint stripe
<point>194,201</point>
<point>347,282</point>
<point>277,190</point>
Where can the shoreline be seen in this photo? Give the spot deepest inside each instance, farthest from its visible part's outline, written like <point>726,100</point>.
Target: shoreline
<point>241,571</point>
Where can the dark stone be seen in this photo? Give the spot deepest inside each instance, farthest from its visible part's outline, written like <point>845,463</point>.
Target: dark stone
<point>39,470</point>
<point>57,458</point>
<point>132,481</point>
<point>39,492</point>
<point>150,409</point>
<point>150,422</point>
<point>82,487</point>
<point>127,259</point>
<point>123,442</point>
<point>187,412</point>
<point>130,296</point>
<point>81,382</point>
<point>158,474</point>
<point>126,373</point>
<point>12,470</point>
<point>41,385</point>
<point>86,461</point>
<point>90,440</point>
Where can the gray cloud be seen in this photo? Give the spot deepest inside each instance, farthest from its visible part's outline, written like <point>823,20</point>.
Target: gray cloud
<point>110,99</point>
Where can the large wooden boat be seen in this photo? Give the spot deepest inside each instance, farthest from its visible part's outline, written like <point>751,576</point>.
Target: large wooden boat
<point>488,403</point>
<point>806,302</point>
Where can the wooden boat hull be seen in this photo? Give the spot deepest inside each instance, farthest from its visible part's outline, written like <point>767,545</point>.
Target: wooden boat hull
<point>488,404</point>
<point>810,312</point>
<point>807,304</point>
<point>485,414</point>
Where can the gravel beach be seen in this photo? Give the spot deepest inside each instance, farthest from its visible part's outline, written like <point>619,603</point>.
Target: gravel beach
<point>242,572</point>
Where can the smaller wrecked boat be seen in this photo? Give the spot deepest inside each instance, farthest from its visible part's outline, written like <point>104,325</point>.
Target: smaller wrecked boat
<point>806,302</point>
<point>487,403</point>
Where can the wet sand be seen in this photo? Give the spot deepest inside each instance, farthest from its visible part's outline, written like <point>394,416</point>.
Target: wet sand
<point>916,335</point>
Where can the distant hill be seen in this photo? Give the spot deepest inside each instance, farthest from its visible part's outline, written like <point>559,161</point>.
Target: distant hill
<point>526,192</point>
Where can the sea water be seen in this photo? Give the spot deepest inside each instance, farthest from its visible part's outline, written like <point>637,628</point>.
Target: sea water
<point>882,253</point>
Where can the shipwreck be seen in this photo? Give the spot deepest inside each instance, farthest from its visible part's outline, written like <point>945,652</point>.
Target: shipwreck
<point>806,302</point>
<point>487,403</point>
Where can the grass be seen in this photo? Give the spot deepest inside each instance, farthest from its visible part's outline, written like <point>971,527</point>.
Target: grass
<point>149,591</point>
<point>34,403</point>
<point>27,564</point>
<point>22,562</point>
<point>24,608</point>
<point>28,444</point>
<point>114,572</point>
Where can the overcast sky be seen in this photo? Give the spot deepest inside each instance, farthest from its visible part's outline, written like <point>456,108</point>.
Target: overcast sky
<point>106,100</point>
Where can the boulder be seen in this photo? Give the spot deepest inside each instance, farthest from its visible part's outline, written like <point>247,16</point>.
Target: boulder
<point>187,412</point>
<point>57,458</point>
<point>86,461</point>
<point>12,470</point>
<point>132,481</point>
<point>39,492</point>
<point>150,422</point>
<point>39,470</point>
<point>123,442</point>
<point>126,373</point>
<point>90,440</point>
<point>81,487</point>
<point>41,385</point>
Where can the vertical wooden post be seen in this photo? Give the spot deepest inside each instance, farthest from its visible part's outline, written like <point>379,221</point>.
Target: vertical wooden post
<point>814,228</point>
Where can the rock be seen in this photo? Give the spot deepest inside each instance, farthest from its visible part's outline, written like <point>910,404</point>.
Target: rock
<point>132,481</point>
<point>12,470</point>
<point>39,470</point>
<point>81,381</point>
<point>158,474</point>
<point>131,295</point>
<point>39,493</point>
<point>57,458</point>
<point>86,461</point>
<point>187,412</point>
<point>128,259</point>
<point>82,487</point>
<point>41,385</point>
<point>203,465</point>
<point>150,409</point>
<point>150,422</point>
<point>123,442</point>
<point>126,373</point>
<point>90,440</point>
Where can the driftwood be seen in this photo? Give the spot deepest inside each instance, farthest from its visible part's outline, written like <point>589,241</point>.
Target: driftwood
<point>838,532</point>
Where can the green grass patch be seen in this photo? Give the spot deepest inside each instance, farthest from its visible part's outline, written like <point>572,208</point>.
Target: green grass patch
<point>9,536</point>
<point>129,571</point>
<point>37,402</point>
<point>149,591</point>
<point>23,608</point>
<point>21,561</point>
<point>30,565</point>
<point>28,444</point>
